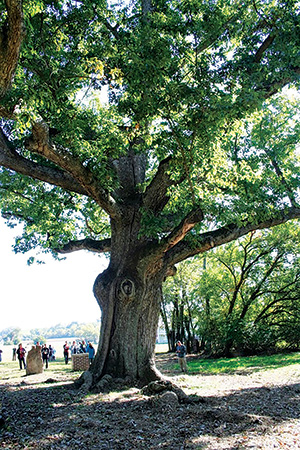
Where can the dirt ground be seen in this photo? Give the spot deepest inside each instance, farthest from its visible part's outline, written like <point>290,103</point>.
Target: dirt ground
<point>253,410</point>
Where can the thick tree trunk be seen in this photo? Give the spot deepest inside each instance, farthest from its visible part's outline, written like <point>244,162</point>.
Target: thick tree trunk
<point>130,306</point>
<point>129,291</point>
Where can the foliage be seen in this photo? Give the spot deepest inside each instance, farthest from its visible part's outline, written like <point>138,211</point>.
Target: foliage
<point>246,297</point>
<point>177,85</point>
<point>180,306</point>
<point>254,304</point>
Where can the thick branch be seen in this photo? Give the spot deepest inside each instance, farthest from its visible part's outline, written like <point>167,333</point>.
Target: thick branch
<point>40,143</point>
<point>10,159</point>
<point>11,36</point>
<point>155,197</point>
<point>223,235</point>
<point>187,224</point>
<point>264,46</point>
<point>86,244</point>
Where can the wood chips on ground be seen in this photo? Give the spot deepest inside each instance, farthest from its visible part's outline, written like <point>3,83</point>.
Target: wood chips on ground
<point>249,410</point>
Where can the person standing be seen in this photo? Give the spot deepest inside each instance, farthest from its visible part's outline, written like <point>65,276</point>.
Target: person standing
<point>181,353</point>
<point>0,355</point>
<point>14,356</point>
<point>73,348</point>
<point>21,355</point>
<point>91,352</point>
<point>66,352</point>
<point>82,348</point>
<point>45,355</point>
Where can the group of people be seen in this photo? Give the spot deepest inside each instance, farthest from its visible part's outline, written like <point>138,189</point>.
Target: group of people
<point>48,353</point>
<point>75,348</point>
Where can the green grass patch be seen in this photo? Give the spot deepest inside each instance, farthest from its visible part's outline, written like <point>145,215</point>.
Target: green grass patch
<point>10,370</point>
<point>242,364</point>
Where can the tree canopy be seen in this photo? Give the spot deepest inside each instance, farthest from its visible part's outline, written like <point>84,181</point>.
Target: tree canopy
<point>190,149</point>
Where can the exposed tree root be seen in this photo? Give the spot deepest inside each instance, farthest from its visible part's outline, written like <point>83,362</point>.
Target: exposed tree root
<point>163,386</point>
<point>87,383</point>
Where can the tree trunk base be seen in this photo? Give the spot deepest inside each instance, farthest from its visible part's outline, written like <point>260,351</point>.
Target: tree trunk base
<point>88,382</point>
<point>155,389</point>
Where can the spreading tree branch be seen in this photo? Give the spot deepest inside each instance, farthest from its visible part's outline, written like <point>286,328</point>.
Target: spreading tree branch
<point>40,143</point>
<point>10,159</point>
<point>93,245</point>
<point>264,46</point>
<point>208,240</point>
<point>187,224</point>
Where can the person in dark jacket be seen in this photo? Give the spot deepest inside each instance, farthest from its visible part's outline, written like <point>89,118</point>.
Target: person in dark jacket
<point>21,356</point>
<point>45,355</point>
<point>181,352</point>
<point>82,348</point>
<point>66,352</point>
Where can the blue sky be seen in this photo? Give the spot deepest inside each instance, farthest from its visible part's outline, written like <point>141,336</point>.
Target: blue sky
<point>43,295</point>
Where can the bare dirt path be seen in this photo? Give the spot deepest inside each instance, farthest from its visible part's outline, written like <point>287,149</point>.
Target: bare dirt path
<point>253,410</point>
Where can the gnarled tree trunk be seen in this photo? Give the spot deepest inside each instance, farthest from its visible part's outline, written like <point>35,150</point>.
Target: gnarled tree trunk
<point>130,308</point>
<point>129,295</point>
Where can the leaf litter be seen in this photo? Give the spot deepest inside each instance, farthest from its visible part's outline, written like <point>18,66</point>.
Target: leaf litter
<point>253,410</point>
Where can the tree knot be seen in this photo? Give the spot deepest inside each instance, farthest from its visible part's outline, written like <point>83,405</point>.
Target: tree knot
<point>126,288</point>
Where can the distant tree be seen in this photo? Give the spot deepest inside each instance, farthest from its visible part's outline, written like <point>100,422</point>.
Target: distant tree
<point>179,305</point>
<point>11,336</point>
<point>90,332</point>
<point>77,330</point>
<point>164,170</point>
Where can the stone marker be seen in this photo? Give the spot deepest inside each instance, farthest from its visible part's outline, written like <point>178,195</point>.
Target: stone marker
<point>34,362</point>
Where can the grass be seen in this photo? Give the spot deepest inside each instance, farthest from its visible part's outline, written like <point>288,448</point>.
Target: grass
<point>196,365</point>
<point>242,364</point>
<point>10,370</point>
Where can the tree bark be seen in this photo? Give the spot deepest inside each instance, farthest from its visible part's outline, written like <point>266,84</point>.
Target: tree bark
<point>11,36</point>
<point>130,307</point>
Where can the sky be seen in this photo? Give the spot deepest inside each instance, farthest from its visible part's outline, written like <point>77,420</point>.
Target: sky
<point>39,296</point>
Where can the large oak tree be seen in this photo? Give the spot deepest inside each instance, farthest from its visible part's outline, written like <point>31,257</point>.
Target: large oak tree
<point>161,171</point>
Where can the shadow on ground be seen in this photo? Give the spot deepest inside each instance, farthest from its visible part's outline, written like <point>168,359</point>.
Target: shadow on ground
<point>56,416</point>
